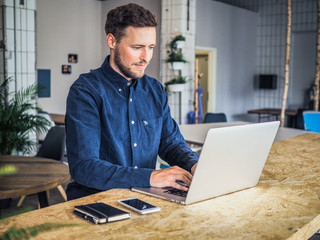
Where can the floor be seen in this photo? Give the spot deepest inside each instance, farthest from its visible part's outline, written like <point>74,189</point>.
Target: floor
<point>31,203</point>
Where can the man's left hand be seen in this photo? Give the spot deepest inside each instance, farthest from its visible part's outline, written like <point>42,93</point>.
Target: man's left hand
<point>193,168</point>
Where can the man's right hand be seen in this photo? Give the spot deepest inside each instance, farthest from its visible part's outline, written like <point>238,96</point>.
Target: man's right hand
<point>167,178</point>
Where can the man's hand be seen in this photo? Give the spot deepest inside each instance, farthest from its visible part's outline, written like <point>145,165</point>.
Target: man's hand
<point>167,178</point>
<point>193,168</point>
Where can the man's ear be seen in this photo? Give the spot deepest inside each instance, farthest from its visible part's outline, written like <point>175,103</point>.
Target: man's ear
<point>111,41</point>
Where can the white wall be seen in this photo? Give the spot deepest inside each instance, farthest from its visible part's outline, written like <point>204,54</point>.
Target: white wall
<point>232,31</point>
<point>63,27</point>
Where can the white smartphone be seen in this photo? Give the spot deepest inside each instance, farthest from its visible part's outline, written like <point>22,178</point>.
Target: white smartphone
<point>138,205</point>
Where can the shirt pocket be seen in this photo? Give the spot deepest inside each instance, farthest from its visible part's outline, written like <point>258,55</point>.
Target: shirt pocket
<point>150,133</point>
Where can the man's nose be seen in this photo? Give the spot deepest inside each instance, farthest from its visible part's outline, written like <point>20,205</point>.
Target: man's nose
<point>146,54</point>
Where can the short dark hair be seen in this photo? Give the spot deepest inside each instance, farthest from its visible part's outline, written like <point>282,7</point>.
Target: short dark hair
<point>121,17</point>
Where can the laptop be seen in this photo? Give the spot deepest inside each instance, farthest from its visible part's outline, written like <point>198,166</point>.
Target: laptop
<point>232,159</point>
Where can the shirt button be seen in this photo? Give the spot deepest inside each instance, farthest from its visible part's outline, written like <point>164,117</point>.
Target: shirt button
<point>130,99</point>
<point>120,89</point>
<point>135,144</point>
<point>135,167</point>
<point>128,84</point>
<point>132,122</point>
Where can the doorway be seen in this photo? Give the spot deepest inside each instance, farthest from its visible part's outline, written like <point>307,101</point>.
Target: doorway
<point>202,60</point>
<point>206,68</point>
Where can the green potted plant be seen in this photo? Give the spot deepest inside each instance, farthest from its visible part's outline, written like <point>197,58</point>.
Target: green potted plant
<point>175,56</point>
<point>18,118</point>
<point>178,42</point>
<point>176,60</point>
<point>176,84</point>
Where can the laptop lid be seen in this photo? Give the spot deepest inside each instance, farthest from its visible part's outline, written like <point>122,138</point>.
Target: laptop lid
<point>232,159</point>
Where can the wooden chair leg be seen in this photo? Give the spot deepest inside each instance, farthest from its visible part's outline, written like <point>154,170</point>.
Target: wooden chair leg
<point>63,193</point>
<point>21,200</point>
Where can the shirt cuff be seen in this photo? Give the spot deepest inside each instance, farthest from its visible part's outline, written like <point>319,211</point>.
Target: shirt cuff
<point>190,164</point>
<point>142,177</point>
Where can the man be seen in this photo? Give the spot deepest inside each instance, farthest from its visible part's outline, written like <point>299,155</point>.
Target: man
<point>118,119</point>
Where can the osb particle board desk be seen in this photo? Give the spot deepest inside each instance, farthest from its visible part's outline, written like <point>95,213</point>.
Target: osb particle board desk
<point>34,175</point>
<point>284,205</point>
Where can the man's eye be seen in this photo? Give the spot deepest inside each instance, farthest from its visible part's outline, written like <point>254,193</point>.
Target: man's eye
<point>137,48</point>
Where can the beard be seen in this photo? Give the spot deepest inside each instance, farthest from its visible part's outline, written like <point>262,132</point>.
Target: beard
<point>126,71</point>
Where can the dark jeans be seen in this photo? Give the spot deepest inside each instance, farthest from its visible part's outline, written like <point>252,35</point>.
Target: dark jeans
<point>76,190</point>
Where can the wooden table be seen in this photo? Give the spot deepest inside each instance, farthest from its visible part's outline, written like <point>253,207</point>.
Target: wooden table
<point>58,118</point>
<point>284,205</point>
<point>34,175</point>
<point>273,112</point>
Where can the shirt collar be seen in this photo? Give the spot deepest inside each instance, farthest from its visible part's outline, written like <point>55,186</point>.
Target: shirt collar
<point>114,76</point>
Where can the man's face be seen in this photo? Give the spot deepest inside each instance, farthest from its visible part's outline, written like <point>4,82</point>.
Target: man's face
<point>132,54</point>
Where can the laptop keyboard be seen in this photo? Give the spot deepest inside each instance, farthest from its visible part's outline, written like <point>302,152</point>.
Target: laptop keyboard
<point>176,192</point>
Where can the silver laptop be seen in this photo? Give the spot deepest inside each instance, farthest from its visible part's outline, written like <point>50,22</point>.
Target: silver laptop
<point>232,159</point>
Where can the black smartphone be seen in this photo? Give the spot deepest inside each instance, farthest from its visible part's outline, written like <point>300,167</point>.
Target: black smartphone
<point>138,205</point>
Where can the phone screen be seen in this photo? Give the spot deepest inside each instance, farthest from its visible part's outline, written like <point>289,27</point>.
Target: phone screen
<point>138,204</point>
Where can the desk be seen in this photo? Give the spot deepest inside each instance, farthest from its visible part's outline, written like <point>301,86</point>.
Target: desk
<point>273,111</point>
<point>34,175</point>
<point>58,118</point>
<point>284,205</point>
<point>197,132</point>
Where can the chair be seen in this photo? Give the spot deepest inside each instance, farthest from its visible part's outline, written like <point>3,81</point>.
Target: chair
<point>53,147</point>
<point>215,117</point>
<point>54,144</point>
<point>43,135</point>
<point>297,120</point>
<point>311,121</point>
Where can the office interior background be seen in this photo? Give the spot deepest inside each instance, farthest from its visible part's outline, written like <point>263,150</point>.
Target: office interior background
<point>236,40</point>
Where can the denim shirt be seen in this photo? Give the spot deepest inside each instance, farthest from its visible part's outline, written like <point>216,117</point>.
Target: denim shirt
<point>116,128</point>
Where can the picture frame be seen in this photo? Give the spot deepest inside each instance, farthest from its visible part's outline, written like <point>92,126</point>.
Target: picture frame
<point>72,58</point>
<point>66,69</point>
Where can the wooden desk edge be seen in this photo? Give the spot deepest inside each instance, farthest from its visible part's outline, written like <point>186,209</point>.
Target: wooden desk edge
<point>58,119</point>
<point>308,230</point>
<point>273,111</point>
